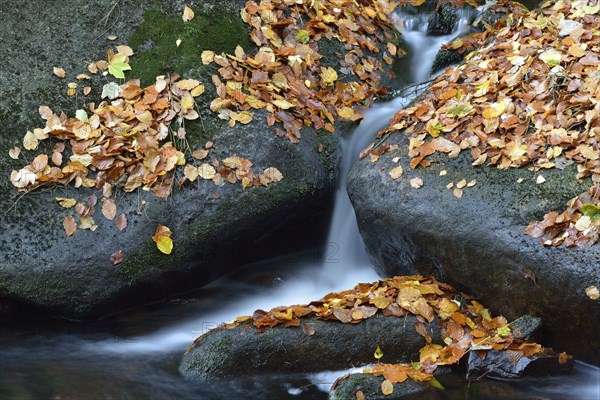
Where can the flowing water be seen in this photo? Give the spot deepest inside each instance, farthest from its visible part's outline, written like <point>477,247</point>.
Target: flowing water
<point>135,355</point>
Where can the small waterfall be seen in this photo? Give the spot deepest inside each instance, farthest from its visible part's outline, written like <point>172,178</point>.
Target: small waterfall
<point>143,364</point>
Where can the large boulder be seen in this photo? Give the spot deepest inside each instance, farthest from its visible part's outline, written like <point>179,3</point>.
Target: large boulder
<point>215,228</point>
<point>477,243</point>
<point>328,345</point>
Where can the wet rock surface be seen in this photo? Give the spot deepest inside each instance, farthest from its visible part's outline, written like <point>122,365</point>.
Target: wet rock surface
<point>477,243</point>
<point>333,346</point>
<point>215,228</point>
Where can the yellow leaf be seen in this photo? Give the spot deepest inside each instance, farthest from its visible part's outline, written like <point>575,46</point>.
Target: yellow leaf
<point>489,113</point>
<point>162,238</point>
<point>164,244</point>
<point>345,112</point>
<point>380,302</point>
<point>207,57</point>
<point>197,91</point>
<point>30,141</point>
<point>378,353</point>
<point>66,202</point>
<point>551,57</point>
<point>187,84</point>
<point>245,117</point>
<point>396,173</point>
<point>387,387</point>
<point>188,14</point>
<point>431,351</point>
<point>329,75</point>
<point>59,72</point>
<point>588,152</point>
<point>283,104</point>
<point>273,174</point>
<point>191,172</point>
<point>592,292</point>
<point>206,171</point>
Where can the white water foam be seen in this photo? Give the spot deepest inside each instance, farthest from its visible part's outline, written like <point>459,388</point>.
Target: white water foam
<point>346,262</point>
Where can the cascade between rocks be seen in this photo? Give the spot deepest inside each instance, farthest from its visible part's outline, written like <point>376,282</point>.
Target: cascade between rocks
<point>137,357</point>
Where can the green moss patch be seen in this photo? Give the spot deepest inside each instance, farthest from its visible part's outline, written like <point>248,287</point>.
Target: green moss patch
<point>155,41</point>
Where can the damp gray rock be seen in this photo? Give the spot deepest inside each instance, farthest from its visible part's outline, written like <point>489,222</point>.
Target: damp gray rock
<point>215,228</point>
<point>243,351</point>
<point>477,243</point>
<point>370,385</point>
<point>512,365</point>
<point>443,20</point>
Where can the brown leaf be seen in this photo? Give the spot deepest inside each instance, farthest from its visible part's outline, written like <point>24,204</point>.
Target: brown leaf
<point>308,329</point>
<point>109,209</point>
<point>117,257</point>
<point>69,224</point>
<point>121,222</point>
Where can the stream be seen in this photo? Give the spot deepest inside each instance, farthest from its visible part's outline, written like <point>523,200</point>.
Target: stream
<point>135,355</point>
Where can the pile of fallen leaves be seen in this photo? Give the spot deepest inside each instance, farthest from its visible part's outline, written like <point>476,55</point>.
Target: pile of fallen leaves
<point>530,96</point>
<point>465,324</point>
<point>286,76</point>
<point>124,142</point>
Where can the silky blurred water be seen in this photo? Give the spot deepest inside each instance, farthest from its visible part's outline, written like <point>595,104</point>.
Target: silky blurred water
<point>135,355</point>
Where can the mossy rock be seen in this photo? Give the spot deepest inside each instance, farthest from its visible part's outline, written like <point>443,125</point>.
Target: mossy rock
<point>216,229</point>
<point>477,243</point>
<point>243,351</point>
<point>348,386</point>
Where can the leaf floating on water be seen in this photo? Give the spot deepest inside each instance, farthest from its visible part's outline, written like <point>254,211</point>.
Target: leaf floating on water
<point>378,353</point>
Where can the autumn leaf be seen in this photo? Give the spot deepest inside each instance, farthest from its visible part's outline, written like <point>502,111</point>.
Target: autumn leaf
<point>59,72</point>
<point>329,75</point>
<point>109,209</point>
<point>66,202</point>
<point>378,353</point>
<point>162,238</point>
<point>117,65</point>
<point>592,292</point>
<point>121,222</point>
<point>394,373</point>
<point>70,225</point>
<point>387,387</point>
<point>273,174</point>
<point>188,14</point>
<point>207,57</point>
<point>396,172</point>
<point>117,257</point>
<point>416,182</point>
<point>430,351</point>
<point>302,36</point>
<point>30,141</point>
<point>14,152</point>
